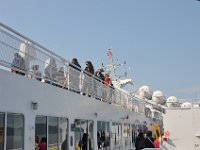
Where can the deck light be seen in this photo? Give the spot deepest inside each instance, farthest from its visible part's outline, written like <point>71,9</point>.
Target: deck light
<point>95,115</point>
<point>34,105</point>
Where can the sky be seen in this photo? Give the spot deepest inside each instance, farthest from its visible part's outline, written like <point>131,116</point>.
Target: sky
<point>159,40</point>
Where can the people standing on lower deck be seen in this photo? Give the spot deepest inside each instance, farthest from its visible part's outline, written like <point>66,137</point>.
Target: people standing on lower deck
<point>64,144</point>
<point>99,142</point>
<point>86,142</point>
<point>78,146</point>
<point>149,140</point>
<point>140,141</point>
<point>43,144</point>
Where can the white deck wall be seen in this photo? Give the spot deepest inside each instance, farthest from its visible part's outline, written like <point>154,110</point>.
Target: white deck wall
<point>184,128</point>
<point>17,94</point>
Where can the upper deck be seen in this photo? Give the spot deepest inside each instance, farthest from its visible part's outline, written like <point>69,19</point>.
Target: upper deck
<point>57,71</point>
<point>62,90</point>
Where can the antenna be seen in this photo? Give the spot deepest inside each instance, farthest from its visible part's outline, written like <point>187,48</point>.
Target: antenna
<point>112,66</point>
<point>109,54</point>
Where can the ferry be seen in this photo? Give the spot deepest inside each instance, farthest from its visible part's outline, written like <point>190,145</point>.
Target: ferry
<point>46,98</point>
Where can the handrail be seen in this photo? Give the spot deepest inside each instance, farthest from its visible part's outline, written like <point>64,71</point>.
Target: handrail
<point>28,39</point>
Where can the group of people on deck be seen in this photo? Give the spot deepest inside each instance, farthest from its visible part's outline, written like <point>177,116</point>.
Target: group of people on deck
<point>84,143</point>
<point>146,141</point>
<point>58,76</point>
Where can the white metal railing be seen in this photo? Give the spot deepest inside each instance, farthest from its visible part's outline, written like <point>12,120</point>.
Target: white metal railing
<point>37,62</point>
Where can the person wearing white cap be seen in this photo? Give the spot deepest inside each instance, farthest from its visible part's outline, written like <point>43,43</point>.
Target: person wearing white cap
<point>99,74</point>
<point>98,87</point>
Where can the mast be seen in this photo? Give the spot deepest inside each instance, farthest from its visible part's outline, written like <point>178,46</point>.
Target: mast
<point>111,66</point>
<point>117,81</point>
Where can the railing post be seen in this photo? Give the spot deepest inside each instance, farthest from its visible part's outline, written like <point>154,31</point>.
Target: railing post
<point>81,82</point>
<point>92,89</point>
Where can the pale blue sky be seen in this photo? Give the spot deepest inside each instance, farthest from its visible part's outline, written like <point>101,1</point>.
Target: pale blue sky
<point>160,40</point>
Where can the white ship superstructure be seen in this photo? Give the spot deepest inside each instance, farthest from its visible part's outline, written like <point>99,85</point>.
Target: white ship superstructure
<point>63,103</point>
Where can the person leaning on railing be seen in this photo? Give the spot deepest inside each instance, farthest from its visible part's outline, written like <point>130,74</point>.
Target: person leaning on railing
<point>75,64</point>
<point>74,75</point>
<point>99,79</point>
<point>99,74</point>
<point>108,84</point>
<point>89,71</point>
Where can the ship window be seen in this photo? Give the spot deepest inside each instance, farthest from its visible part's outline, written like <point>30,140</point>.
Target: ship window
<point>103,135</point>
<point>83,133</point>
<point>15,131</point>
<point>52,132</point>
<point>2,130</point>
<point>56,137</point>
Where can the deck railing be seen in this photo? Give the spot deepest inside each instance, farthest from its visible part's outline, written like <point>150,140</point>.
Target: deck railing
<point>56,70</point>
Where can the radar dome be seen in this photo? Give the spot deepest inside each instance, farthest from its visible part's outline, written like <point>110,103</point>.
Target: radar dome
<point>186,105</point>
<point>172,99</point>
<point>172,102</point>
<point>144,92</point>
<point>158,97</point>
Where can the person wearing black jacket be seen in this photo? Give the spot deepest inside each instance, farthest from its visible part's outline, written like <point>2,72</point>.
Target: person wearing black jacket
<point>140,141</point>
<point>99,74</point>
<point>149,140</point>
